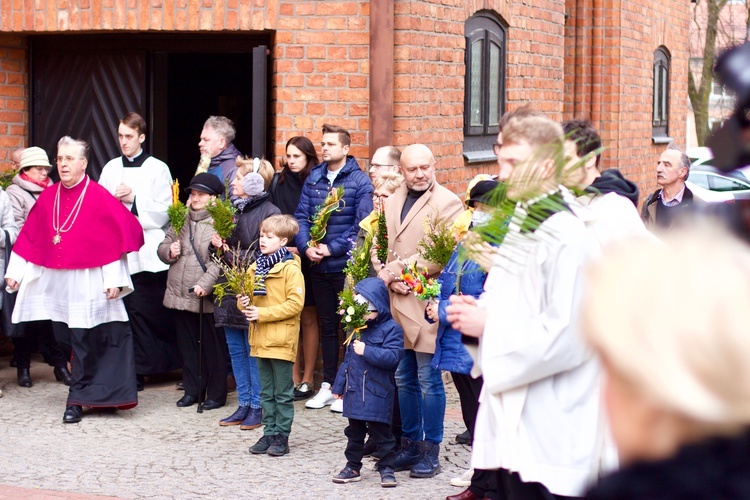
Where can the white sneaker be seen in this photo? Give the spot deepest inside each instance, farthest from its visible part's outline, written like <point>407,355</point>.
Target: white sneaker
<point>464,481</point>
<point>322,399</point>
<point>338,406</point>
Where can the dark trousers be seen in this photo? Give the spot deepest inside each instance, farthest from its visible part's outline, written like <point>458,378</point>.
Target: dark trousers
<point>468,392</point>
<point>326,287</point>
<point>154,338</point>
<point>379,432</point>
<point>39,334</point>
<point>213,365</point>
<point>511,487</point>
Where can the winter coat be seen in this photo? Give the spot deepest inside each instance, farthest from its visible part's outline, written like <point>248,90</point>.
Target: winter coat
<point>277,331</point>
<point>612,181</point>
<point>343,225</point>
<point>245,235</point>
<point>367,382</point>
<point>185,271</point>
<point>648,213</point>
<point>7,223</point>
<point>450,353</point>
<point>23,194</point>
<point>224,166</point>
<point>285,195</point>
<point>718,468</point>
<point>408,310</point>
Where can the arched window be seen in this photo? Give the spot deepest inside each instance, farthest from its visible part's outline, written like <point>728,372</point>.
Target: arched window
<point>484,97</point>
<point>660,115</point>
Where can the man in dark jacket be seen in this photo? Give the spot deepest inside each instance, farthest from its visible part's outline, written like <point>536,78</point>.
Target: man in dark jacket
<point>611,198</point>
<point>328,256</point>
<point>366,379</point>
<point>218,151</point>
<point>674,199</point>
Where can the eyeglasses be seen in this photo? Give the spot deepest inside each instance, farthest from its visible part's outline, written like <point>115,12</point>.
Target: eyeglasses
<point>377,166</point>
<point>379,197</point>
<point>66,159</point>
<point>496,148</point>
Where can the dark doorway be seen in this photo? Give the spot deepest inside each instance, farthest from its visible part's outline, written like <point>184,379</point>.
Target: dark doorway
<point>82,85</point>
<point>198,86</point>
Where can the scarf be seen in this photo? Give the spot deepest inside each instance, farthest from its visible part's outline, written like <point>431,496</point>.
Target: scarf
<point>264,264</point>
<point>42,184</point>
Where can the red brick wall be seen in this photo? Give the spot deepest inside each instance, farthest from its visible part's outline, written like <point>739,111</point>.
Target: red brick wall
<point>321,65</point>
<point>609,77</point>
<point>13,96</point>
<point>321,71</point>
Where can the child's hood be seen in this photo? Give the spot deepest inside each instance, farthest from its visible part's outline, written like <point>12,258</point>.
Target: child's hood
<point>374,290</point>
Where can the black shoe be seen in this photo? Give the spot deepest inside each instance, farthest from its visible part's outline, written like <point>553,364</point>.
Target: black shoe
<point>140,382</point>
<point>347,475</point>
<point>13,362</point>
<point>24,377</point>
<point>387,478</point>
<point>261,447</point>
<point>302,391</point>
<point>63,375</point>
<point>73,414</point>
<point>186,401</point>
<point>210,404</point>
<point>179,386</point>
<point>279,447</point>
<point>369,448</point>
<point>429,463</point>
<point>463,438</point>
<point>408,455</point>
<point>235,418</point>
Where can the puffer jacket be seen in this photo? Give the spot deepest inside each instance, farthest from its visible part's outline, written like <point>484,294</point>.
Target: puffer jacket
<point>367,382</point>
<point>224,166</point>
<point>276,334</point>
<point>245,237</point>
<point>185,271</point>
<point>450,353</point>
<point>23,194</point>
<point>343,225</point>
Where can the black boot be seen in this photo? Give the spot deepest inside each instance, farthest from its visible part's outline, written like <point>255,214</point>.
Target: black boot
<point>408,455</point>
<point>429,463</point>
<point>24,377</point>
<point>63,375</point>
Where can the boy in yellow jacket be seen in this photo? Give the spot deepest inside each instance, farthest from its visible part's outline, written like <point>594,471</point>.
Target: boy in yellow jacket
<point>276,306</point>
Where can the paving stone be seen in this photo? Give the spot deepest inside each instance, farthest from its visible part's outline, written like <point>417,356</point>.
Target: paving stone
<point>158,451</point>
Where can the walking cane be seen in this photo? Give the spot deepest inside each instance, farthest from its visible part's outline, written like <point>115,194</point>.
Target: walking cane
<point>200,357</point>
<point>200,351</point>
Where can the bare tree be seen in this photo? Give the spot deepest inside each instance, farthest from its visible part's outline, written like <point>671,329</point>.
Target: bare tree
<point>713,28</point>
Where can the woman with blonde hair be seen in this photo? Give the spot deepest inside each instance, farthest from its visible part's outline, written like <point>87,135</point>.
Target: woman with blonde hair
<point>669,323</point>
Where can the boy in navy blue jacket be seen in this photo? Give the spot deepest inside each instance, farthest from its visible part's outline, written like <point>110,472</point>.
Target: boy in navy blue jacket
<point>366,381</point>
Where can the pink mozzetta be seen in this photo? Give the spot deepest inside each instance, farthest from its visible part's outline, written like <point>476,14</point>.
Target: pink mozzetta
<point>103,229</point>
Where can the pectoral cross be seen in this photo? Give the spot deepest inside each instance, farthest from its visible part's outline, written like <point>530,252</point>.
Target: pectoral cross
<point>56,239</point>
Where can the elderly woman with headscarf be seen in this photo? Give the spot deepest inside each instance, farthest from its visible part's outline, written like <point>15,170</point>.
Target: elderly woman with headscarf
<point>31,179</point>
<point>669,322</point>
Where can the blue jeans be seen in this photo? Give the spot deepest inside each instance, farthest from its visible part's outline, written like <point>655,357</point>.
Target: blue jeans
<point>244,367</point>
<point>421,397</point>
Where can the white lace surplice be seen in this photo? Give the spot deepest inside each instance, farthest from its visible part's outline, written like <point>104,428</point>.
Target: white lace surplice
<point>76,297</point>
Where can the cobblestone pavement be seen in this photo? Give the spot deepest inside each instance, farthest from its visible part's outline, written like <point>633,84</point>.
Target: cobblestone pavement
<point>160,451</point>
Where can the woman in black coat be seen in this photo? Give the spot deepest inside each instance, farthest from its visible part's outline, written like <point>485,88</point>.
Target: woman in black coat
<point>285,189</point>
<point>253,206</point>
